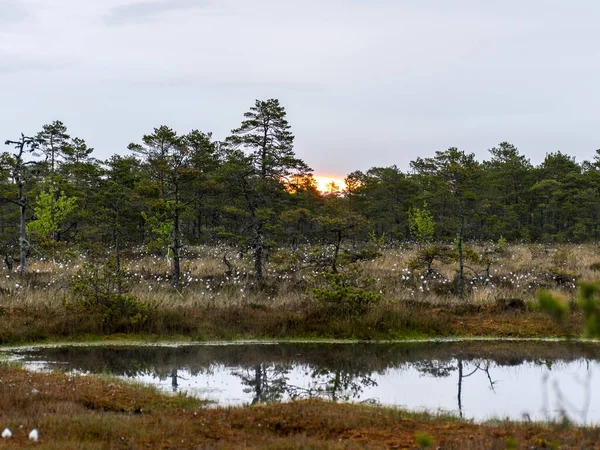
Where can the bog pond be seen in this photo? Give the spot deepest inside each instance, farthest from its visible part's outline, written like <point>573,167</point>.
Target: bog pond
<point>519,380</point>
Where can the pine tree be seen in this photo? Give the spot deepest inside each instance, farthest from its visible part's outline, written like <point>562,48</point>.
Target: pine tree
<point>53,142</point>
<point>265,135</point>
<point>169,161</point>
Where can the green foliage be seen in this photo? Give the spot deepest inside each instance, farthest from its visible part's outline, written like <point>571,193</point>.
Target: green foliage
<point>511,443</point>
<point>348,292</point>
<point>274,157</point>
<point>424,440</point>
<point>255,194</point>
<point>590,305</point>
<point>421,224</point>
<point>469,253</point>
<point>367,253</point>
<point>342,223</point>
<point>427,255</point>
<point>501,245</point>
<point>50,210</point>
<point>161,230</point>
<point>285,261</point>
<point>377,241</point>
<point>102,290</point>
<point>553,304</point>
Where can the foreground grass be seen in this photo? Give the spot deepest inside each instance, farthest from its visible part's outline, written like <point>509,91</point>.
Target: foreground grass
<point>96,413</point>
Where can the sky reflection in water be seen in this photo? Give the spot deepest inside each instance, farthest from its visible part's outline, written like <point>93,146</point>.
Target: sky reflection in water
<point>521,381</point>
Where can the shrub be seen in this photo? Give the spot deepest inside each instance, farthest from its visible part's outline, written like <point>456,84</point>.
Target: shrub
<point>562,277</point>
<point>348,292</point>
<point>553,304</point>
<point>102,291</point>
<point>421,224</point>
<point>588,301</point>
<point>428,254</point>
<point>424,440</point>
<point>590,305</point>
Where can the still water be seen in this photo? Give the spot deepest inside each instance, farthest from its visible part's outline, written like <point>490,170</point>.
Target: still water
<point>476,380</point>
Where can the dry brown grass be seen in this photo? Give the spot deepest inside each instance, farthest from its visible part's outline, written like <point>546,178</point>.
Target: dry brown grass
<point>213,305</point>
<point>518,272</point>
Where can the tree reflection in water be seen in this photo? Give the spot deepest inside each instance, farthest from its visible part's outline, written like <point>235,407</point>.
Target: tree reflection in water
<point>266,382</point>
<point>337,372</point>
<point>270,383</point>
<point>443,369</point>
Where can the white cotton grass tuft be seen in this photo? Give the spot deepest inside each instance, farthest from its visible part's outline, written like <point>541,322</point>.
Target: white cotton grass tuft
<point>34,435</point>
<point>6,434</point>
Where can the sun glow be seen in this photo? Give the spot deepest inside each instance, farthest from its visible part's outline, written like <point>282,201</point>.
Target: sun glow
<point>329,184</point>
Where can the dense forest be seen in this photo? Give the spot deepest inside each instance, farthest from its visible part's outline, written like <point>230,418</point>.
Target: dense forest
<point>251,192</point>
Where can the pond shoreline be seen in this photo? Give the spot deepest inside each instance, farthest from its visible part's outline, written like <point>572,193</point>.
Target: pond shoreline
<point>74,410</point>
<point>234,374</point>
<point>181,343</point>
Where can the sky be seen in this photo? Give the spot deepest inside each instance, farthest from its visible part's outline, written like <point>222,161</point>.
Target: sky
<point>365,83</point>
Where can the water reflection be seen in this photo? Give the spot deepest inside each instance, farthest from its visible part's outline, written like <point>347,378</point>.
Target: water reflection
<point>537,381</point>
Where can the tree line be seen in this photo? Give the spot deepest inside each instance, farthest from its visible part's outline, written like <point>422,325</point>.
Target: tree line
<point>252,192</point>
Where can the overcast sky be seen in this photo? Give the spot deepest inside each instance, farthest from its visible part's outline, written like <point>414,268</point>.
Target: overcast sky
<point>365,82</point>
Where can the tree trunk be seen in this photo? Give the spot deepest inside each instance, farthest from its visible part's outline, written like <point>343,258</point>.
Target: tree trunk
<point>198,222</point>
<point>259,243</point>
<point>460,380</point>
<point>117,244</point>
<point>174,380</point>
<point>117,249</point>
<point>461,266</point>
<point>176,246</point>
<point>337,385</point>
<point>263,150</point>
<point>336,252</point>
<point>23,233</point>
<point>258,384</point>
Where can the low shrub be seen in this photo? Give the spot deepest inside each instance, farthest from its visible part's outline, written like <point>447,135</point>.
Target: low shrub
<point>348,292</point>
<point>562,276</point>
<point>101,291</point>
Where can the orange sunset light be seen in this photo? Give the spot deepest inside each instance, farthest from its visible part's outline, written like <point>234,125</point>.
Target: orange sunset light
<point>324,183</point>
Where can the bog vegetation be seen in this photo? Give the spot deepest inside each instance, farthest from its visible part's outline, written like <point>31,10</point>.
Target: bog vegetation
<point>181,234</point>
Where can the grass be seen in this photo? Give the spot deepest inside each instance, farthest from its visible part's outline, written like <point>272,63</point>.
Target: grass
<point>41,324</point>
<point>89,412</point>
<point>211,304</point>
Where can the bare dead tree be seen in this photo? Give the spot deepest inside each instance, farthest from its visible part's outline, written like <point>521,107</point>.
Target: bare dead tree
<point>21,171</point>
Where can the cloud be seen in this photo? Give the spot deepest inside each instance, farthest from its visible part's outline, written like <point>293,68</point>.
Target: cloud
<point>12,12</point>
<point>13,64</point>
<point>144,11</point>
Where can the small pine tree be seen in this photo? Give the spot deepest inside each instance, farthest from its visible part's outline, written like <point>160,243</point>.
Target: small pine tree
<point>421,224</point>
<point>50,210</point>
